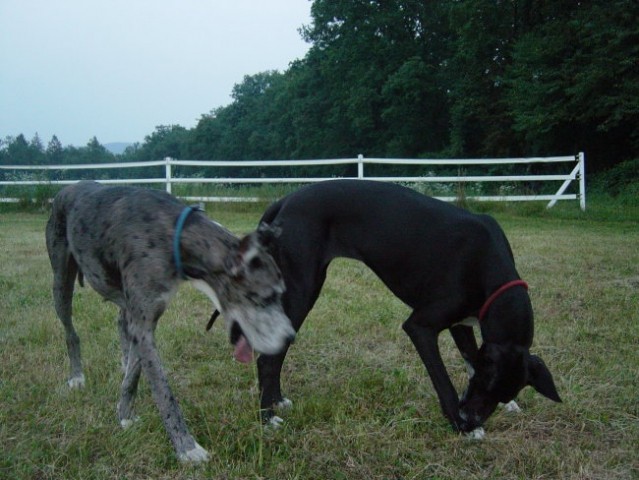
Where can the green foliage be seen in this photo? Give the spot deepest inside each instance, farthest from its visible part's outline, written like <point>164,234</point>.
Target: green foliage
<point>17,151</point>
<point>480,120</point>
<point>621,181</point>
<point>574,81</point>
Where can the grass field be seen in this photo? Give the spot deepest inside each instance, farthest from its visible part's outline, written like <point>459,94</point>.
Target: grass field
<point>363,405</point>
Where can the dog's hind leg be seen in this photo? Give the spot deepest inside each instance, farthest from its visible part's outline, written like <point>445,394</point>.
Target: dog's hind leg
<point>65,270</point>
<point>63,292</point>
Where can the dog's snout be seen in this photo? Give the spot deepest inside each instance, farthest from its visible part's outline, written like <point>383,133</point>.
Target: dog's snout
<point>468,422</point>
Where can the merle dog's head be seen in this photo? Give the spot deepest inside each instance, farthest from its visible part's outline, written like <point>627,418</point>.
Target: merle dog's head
<point>501,371</point>
<point>253,301</point>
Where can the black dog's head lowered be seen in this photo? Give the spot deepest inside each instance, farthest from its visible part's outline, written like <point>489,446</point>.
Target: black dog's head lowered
<point>501,372</point>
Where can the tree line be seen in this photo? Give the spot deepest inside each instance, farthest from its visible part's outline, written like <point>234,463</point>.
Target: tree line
<point>416,79</point>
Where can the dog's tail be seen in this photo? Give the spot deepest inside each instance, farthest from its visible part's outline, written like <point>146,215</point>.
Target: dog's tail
<point>57,243</point>
<point>271,212</point>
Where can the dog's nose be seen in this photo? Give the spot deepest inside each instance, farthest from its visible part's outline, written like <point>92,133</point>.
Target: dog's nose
<point>467,423</point>
<point>461,423</point>
<point>291,338</point>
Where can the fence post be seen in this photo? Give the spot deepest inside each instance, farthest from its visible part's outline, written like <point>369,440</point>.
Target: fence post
<point>360,166</point>
<point>167,168</point>
<point>582,180</point>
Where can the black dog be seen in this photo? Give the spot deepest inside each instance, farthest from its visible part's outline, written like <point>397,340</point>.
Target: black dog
<point>445,263</point>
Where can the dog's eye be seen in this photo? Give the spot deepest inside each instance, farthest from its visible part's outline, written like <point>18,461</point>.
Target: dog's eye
<point>256,263</point>
<point>271,299</point>
<point>262,301</point>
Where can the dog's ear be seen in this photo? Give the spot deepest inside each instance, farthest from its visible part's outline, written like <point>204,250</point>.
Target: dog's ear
<point>267,233</point>
<point>540,378</point>
<point>233,265</point>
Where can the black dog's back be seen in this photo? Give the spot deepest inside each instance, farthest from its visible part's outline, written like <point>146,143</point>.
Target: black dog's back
<point>394,230</point>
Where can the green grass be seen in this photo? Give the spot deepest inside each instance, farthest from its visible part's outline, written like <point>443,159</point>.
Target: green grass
<point>363,405</point>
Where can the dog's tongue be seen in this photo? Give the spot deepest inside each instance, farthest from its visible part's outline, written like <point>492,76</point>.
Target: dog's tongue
<point>243,352</point>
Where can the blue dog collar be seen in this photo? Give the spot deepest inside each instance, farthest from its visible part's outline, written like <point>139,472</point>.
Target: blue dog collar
<point>179,226</point>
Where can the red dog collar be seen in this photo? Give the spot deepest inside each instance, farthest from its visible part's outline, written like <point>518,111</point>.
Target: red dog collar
<point>497,293</point>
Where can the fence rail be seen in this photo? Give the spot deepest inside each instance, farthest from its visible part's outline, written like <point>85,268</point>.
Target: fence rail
<point>577,174</point>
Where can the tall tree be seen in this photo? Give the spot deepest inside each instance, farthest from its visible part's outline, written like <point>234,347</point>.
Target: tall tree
<point>95,152</point>
<point>18,151</point>
<point>54,152</point>
<point>36,150</point>
<point>484,31</point>
<point>575,81</point>
<point>370,53</point>
<point>165,141</point>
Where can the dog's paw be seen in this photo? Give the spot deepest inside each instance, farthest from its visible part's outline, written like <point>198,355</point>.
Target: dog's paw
<point>283,405</point>
<point>478,434</point>
<point>512,407</point>
<point>127,422</point>
<point>275,422</point>
<point>76,382</point>
<point>194,456</point>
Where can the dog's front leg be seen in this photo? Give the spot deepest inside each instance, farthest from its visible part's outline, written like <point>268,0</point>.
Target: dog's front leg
<point>466,342</point>
<point>132,369</point>
<point>129,389</point>
<point>186,448</point>
<point>125,340</point>
<point>303,288</point>
<point>425,340</point>
<point>269,369</point>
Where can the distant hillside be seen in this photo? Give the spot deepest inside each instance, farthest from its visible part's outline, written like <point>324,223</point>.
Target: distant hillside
<point>117,147</point>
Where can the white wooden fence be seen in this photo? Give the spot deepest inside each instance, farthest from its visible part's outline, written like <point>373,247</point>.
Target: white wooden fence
<point>577,174</point>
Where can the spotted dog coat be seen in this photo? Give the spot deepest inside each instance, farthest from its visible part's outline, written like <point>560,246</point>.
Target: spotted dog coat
<point>119,239</point>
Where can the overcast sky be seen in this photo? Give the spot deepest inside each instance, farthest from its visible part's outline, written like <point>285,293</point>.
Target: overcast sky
<point>116,69</point>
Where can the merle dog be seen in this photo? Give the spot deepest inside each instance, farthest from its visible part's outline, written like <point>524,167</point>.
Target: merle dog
<point>134,246</point>
<point>445,263</point>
